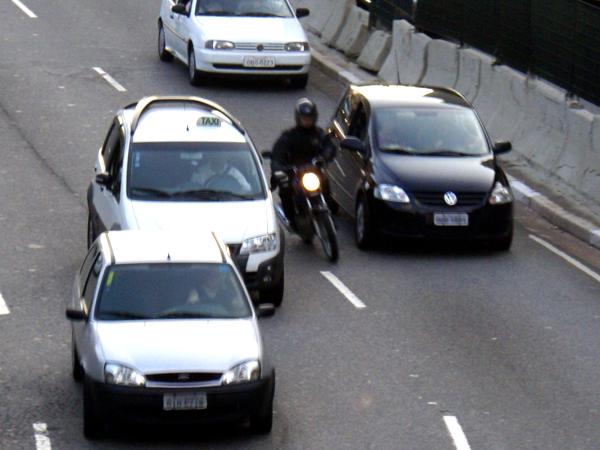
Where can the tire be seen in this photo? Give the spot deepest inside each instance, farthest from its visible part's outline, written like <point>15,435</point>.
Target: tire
<point>274,294</point>
<point>93,425</point>
<point>262,422</point>
<point>91,232</point>
<point>364,234</point>
<point>328,237</point>
<point>299,81</point>
<point>193,73</point>
<point>163,53</point>
<point>77,368</point>
<point>502,244</point>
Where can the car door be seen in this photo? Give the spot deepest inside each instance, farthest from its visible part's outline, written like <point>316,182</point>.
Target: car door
<point>107,198</point>
<point>183,23</point>
<point>169,20</point>
<point>355,163</point>
<point>335,171</point>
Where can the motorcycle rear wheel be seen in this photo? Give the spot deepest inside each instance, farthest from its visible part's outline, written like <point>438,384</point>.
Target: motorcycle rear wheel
<point>328,236</point>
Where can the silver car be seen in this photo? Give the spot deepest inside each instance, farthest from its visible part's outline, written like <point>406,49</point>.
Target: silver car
<point>164,331</point>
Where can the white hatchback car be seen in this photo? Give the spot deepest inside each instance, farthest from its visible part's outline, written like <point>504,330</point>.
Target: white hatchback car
<point>181,163</point>
<point>238,37</point>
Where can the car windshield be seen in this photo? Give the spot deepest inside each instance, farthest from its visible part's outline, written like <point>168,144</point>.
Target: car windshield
<point>194,172</point>
<point>430,132</point>
<point>171,291</point>
<point>244,8</point>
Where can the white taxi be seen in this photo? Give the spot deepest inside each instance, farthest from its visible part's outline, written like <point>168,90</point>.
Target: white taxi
<point>181,163</point>
<point>236,37</point>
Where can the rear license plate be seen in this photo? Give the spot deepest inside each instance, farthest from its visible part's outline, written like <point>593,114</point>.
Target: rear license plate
<point>259,62</point>
<point>451,220</point>
<point>184,402</point>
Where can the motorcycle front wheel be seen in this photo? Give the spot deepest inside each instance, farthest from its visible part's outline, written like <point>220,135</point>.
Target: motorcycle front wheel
<point>327,236</point>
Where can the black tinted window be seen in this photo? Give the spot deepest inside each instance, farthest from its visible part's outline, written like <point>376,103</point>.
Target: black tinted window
<point>92,282</point>
<point>171,291</point>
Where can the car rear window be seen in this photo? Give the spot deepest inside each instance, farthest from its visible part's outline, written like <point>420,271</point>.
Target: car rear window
<point>171,291</point>
<point>243,8</point>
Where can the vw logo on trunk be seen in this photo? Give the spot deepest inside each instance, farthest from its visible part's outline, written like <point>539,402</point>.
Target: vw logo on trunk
<point>260,47</point>
<point>450,198</point>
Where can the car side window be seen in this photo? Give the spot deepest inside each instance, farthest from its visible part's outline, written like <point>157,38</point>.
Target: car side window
<point>111,142</point>
<point>87,264</point>
<point>92,282</point>
<point>359,124</point>
<point>115,164</point>
<point>342,116</point>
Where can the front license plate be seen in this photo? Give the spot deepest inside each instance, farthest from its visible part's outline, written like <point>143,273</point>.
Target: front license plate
<point>451,220</point>
<point>259,62</point>
<point>184,402</point>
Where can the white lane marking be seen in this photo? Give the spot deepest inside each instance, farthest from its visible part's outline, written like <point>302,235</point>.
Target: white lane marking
<point>566,257</point>
<point>42,440</point>
<point>24,8</point>
<point>457,433</point>
<point>110,80</point>
<point>4,311</point>
<point>346,292</point>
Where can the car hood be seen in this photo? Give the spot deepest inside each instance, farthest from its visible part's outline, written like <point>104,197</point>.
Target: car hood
<point>439,174</point>
<point>251,29</point>
<point>232,221</point>
<point>179,345</point>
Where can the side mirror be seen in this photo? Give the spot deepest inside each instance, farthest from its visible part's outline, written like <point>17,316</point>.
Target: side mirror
<point>267,154</point>
<point>76,314</point>
<point>502,147</point>
<point>302,12</point>
<point>265,310</point>
<point>103,179</point>
<point>353,144</point>
<point>179,8</point>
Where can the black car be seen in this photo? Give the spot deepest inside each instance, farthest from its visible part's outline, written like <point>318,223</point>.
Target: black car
<point>417,162</point>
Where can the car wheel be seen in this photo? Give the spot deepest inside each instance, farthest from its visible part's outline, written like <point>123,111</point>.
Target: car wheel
<point>194,74</point>
<point>364,234</point>
<point>77,368</point>
<point>299,81</point>
<point>274,294</point>
<point>262,422</point>
<point>502,244</point>
<point>91,232</point>
<point>163,53</point>
<point>93,425</point>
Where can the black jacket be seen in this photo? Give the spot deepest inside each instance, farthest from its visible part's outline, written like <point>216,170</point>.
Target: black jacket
<point>299,146</point>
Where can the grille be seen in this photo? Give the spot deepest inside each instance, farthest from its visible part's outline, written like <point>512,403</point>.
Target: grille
<point>437,198</point>
<point>253,46</point>
<point>200,377</point>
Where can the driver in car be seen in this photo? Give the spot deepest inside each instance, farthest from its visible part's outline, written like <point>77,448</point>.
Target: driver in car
<point>217,172</point>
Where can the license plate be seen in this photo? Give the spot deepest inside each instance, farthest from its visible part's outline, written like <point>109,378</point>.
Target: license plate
<point>451,220</point>
<point>184,402</point>
<point>259,62</point>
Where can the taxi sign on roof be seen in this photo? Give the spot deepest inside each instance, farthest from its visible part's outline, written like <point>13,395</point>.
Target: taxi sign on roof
<point>208,121</point>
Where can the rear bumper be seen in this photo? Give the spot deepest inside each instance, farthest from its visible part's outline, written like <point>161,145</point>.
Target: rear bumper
<point>145,405</point>
<point>232,62</point>
<point>268,274</point>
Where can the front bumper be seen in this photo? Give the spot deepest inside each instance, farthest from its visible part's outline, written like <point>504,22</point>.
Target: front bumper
<point>267,274</point>
<point>232,62</point>
<point>410,221</point>
<point>145,405</point>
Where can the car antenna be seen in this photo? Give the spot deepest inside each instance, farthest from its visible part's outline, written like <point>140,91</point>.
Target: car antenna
<point>168,257</point>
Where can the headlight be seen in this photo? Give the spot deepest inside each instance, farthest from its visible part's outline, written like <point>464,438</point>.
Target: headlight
<point>296,47</point>
<point>391,193</point>
<point>122,375</point>
<point>242,373</point>
<point>500,195</point>
<point>220,45</point>
<point>311,182</point>
<point>266,243</point>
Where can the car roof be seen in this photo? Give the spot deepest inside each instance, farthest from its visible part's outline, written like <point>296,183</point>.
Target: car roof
<point>136,246</point>
<point>387,95</point>
<point>182,121</point>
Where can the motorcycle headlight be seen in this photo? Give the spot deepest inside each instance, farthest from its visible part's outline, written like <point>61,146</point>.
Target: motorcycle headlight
<point>123,375</point>
<point>391,193</point>
<point>296,47</point>
<point>311,182</point>
<point>242,373</point>
<point>220,45</point>
<point>259,244</point>
<point>500,195</point>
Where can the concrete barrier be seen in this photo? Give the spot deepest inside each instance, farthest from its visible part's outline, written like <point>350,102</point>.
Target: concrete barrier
<point>355,33</point>
<point>441,68</point>
<point>337,20</point>
<point>411,58</point>
<point>401,34</point>
<point>375,51</point>
<point>320,13</point>
<point>469,73</point>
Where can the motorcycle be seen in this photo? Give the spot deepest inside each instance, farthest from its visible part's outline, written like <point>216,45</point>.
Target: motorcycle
<point>312,216</point>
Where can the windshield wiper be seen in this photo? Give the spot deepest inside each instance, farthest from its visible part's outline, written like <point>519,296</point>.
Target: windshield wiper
<point>152,191</point>
<point>217,13</point>
<point>260,14</point>
<point>212,194</point>
<point>395,149</point>
<point>123,315</point>
<point>444,152</point>
<point>183,315</point>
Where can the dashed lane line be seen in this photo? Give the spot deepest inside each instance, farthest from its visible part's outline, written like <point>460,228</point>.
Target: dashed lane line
<point>110,80</point>
<point>566,257</point>
<point>456,433</point>
<point>4,311</point>
<point>42,439</point>
<point>24,8</point>
<point>346,292</point>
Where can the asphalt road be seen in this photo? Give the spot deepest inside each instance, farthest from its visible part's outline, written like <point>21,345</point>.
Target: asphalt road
<point>505,343</point>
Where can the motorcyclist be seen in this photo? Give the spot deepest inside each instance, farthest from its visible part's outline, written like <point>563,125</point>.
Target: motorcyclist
<point>298,146</point>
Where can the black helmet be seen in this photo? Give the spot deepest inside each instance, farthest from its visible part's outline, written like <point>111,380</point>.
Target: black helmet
<point>306,108</point>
